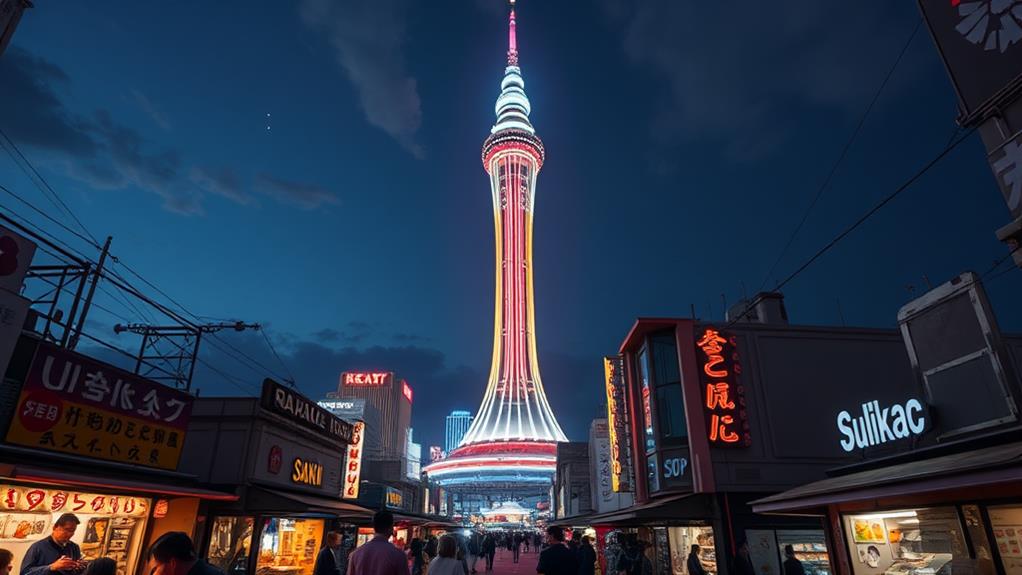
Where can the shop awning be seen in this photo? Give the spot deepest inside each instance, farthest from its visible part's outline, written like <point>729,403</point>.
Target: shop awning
<point>672,509</point>
<point>80,480</point>
<point>270,500</point>
<point>975,469</point>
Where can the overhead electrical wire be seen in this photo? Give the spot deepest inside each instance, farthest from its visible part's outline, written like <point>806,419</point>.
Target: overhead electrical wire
<point>844,153</point>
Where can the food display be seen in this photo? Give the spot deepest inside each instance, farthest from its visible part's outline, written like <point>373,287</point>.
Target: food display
<point>289,546</point>
<point>810,546</point>
<point>1007,527</point>
<point>907,542</point>
<point>682,539</point>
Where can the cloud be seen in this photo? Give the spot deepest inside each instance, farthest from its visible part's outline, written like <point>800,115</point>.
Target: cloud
<point>223,182</point>
<point>33,113</point>
<point>100,151</point>
<point>303,195</point>
<point>367,38</point>
<point>740,78</point>
<point>147,106</point>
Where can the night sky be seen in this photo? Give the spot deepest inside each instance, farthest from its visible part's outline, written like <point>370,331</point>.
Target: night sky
<point>684,140</point>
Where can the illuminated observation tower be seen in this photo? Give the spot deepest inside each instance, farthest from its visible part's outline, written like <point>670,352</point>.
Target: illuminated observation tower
<point>512,443</point>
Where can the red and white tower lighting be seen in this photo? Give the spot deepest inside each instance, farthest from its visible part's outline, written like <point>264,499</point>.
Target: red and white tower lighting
<point>513,437</point>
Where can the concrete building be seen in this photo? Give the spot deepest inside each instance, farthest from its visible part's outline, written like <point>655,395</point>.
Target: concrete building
<point>572,497</point>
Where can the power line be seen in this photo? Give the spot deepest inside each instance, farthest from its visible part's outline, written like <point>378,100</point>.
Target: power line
<point>844,152</point>
<point>862,219</point>
<point>53,195</point>
<point>277,355</point>
<point>48,216</point>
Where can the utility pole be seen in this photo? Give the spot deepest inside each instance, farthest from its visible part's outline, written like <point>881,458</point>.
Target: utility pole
<point>169,352</point>
<point>96,274</point>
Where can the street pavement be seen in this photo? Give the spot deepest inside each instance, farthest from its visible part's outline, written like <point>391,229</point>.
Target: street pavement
<point>503,564</point>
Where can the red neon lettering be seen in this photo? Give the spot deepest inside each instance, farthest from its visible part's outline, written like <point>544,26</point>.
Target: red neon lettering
<point>717,396</point>
<point>719,430</point>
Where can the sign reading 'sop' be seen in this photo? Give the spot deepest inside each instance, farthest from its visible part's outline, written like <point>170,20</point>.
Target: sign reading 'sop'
<point>74,404</point>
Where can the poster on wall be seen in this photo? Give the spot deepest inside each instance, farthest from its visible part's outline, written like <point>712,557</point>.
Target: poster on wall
<point>866,530</point>
<point>1007,527</point>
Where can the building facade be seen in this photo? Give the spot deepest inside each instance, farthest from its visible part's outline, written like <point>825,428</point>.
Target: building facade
<point>388,396</point>
<point>455,428</point>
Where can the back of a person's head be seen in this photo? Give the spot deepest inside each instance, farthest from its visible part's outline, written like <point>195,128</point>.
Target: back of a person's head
<point>173,545</point>
<point>448,546</point>
<point>383,522</point>
<point>555,532</point>
<point>102,566</point>
<point>789,550</point>
<point>6,558</point>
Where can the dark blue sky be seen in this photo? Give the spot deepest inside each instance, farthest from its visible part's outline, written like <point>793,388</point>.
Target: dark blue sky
<point>684,140</point>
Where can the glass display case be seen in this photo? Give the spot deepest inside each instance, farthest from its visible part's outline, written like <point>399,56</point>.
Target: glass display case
<point>925,541</point>
<point>289,546</point>
<point>810,546</point>
<point>229,543</point>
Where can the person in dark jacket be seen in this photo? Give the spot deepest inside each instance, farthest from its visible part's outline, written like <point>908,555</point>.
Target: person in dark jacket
<point>55,553</point>
<point>326,561</point>
<point>792,566</point>
<point>173,553</point>
<point>102,566</point>
<point>489,550</point>
<point>586,557</point>
<point>695,567</point>
<point>743,563</point>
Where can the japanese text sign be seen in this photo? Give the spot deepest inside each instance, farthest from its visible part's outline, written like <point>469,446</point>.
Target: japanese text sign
<point>617,425</point>
<point>24,498</point>
<point>74,404</point>
<point>720,370</point>
<point>353,463</point>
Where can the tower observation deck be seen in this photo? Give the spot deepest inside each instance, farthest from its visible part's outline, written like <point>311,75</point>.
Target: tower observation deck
<point>512,442</point>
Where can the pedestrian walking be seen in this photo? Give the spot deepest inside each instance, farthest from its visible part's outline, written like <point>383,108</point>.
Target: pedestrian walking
<point>525,541</point>
<point>378,556</point>
<point>516,546</point>
<point>326,561</point>
<point>489,550</point>
<point>173,553</point>
<point>695,566</point>
<point>557,559</point>
<point>474,551</point>
<point>586,557</point>
<point>419,559</point>
<point>431,547</point>
<point>792,566</point>
<point>55,553</point>
<point>446,561</point>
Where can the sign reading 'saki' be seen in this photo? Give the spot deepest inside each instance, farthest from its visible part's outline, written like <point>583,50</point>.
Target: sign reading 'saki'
<point>74,404</point>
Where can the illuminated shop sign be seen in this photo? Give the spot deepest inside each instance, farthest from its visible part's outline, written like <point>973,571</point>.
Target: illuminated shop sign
<point>307,472</point>
<point>291,405</point>
<point>74,404</point>
<point>877,426</point>
<point>353,463</point>
<point>367,378</point>
<point>406,391</point>
<point>31,499</point>
<point>395,499</point>
<point>617,425</point>
<point>720,369</point>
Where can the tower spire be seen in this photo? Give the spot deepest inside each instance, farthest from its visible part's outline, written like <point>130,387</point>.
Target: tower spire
<point>512,39</point>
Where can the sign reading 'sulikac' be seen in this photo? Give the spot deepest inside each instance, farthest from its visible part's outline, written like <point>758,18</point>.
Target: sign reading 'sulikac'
<point>289,404</point>
<point>879,425</point>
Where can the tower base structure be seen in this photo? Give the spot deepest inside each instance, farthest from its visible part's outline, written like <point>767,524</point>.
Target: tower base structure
<point>521,467</point>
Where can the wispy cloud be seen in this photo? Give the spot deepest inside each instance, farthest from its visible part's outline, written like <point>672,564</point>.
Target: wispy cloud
<point>368,38</point>
<point>221,181</point>
<point>147,106</point>
<point>303,195</point>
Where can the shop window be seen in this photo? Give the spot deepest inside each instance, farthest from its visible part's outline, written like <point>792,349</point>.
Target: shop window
<point>111,525</point>
<point>670,406</point>
<point>229,544</point>
<point>1006,524</point>
<point>682,539</point>
<point>924,541</point>
<point>766,550</point>
<point>289,546</point>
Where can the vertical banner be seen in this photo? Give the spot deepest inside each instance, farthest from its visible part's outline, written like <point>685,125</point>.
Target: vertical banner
<point>353,465</point>
<point>622,470</point>
<point>724,399</point>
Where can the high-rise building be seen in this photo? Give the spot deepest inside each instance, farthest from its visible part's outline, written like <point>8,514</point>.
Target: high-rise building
<point>413,458</point>
<point>513,440</point>
<point>457,426</point>
<point>391,397</point>
<point>356,409</point>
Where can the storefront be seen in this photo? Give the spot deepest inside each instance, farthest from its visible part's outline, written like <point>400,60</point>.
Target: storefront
<point>285,455</point>
<point>936,487</point>
<point>87,438</point>
<point>704,419</point>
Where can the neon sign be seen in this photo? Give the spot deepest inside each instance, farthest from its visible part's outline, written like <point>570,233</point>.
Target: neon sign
<point>353,466</point>
<point>307,472</point>
<point>876,426</point>
<point>367,378</point>
<point>724,394</point>
<point>617,425</point>
<point>406,391</point>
